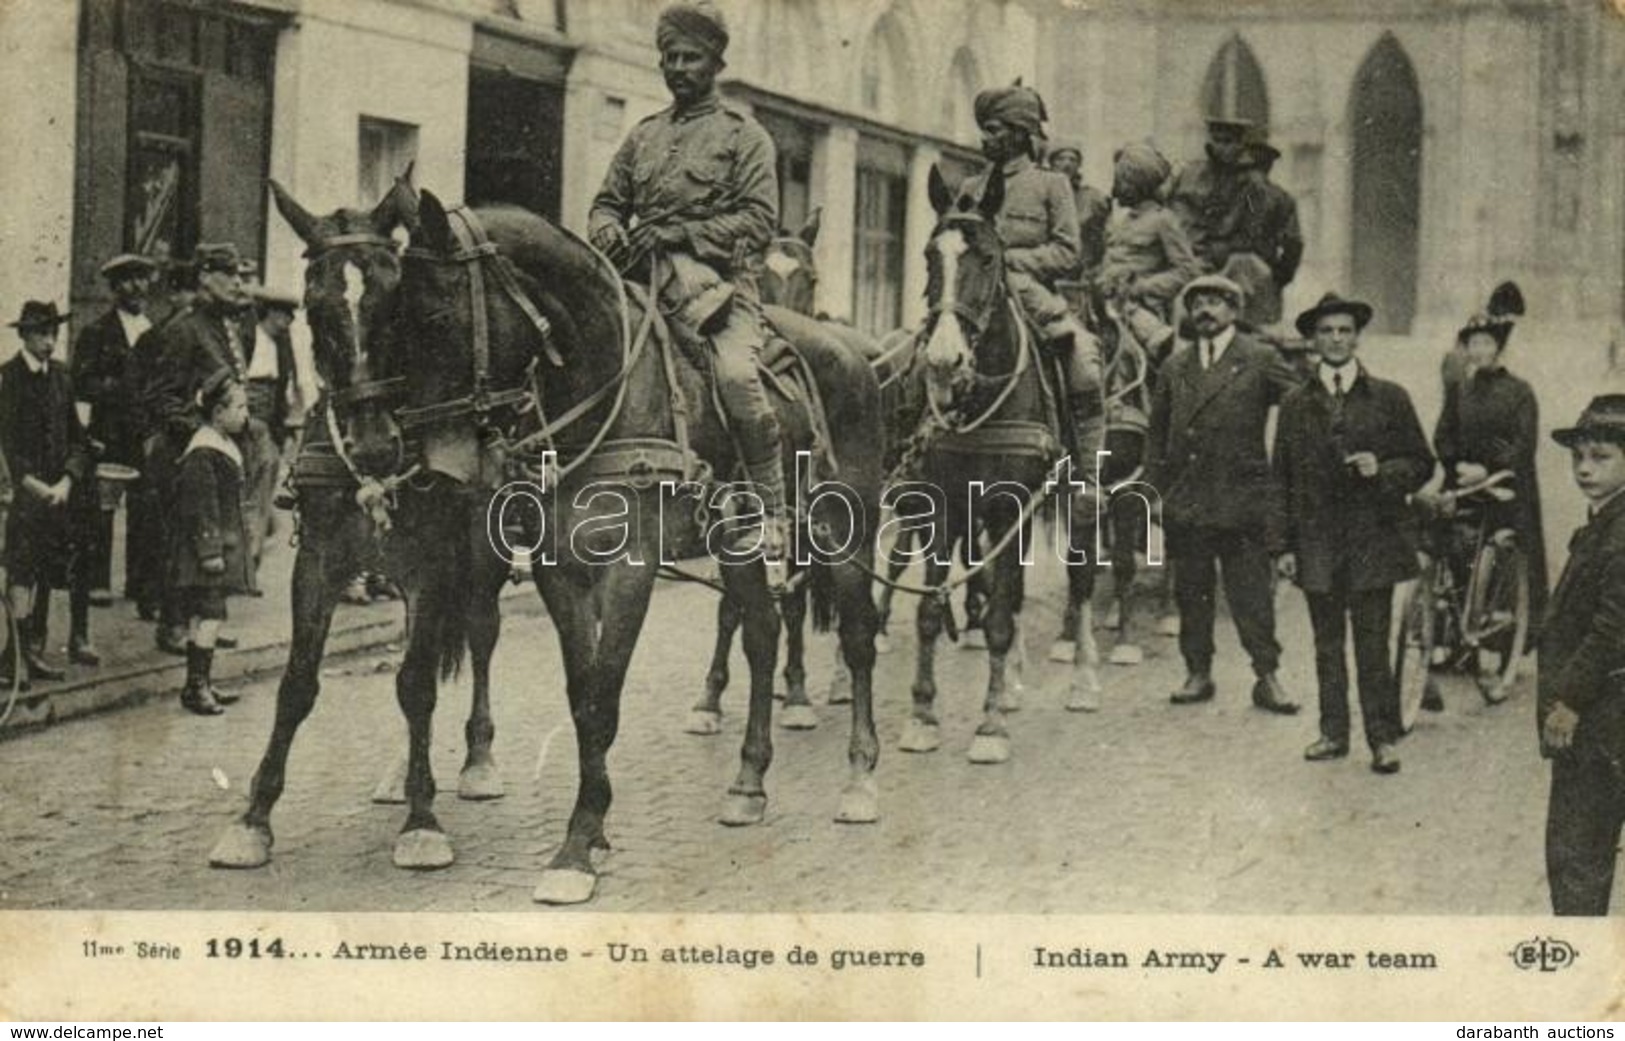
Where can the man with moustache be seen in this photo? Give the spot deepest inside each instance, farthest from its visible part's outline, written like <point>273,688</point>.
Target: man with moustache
<point>691,200</point>
<point>105,382</point>
<point>1208,461</point>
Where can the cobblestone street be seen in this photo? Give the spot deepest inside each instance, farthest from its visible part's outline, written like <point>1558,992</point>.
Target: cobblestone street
<point>1142,807</point>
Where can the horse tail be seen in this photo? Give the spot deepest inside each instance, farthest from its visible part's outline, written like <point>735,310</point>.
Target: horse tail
<point>450,639</point>
<point>821,590</point>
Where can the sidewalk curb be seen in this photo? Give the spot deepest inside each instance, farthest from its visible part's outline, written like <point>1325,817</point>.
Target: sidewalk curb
<point>141,682</point>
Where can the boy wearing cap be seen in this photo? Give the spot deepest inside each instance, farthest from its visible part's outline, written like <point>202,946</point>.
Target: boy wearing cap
<point>45,451</point>
<point>270,372</point>
<point>1580,709</point>
<point>188,349</point>
<point>1348,451</point>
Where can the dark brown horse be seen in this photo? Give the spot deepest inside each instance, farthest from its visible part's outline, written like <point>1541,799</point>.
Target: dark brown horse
<point>500,305</point>
<point>789,279</point>
<point>344,526</point>
<point>987,467</point>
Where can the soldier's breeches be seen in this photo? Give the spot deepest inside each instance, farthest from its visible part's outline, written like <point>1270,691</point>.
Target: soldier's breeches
<point>751,415</point>
<point>1044,307</point>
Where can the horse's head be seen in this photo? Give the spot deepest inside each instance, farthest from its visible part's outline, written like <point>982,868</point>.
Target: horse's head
<point>351,276</point>
<point>789,274</point>
<point>965,277</point>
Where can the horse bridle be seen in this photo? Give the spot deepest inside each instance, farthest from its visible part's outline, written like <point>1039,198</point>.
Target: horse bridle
<point>481,256</point>
<point>976,319</point>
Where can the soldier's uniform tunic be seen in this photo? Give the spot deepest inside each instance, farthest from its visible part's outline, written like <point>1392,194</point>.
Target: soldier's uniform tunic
<point>709,170</point>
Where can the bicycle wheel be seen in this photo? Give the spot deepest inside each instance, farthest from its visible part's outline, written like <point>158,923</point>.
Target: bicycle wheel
<point>1498,616</point>
<point>1413,649</point>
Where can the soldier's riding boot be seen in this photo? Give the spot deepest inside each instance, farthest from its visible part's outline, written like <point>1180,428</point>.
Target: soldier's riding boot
<point>1079,354</point>
<point>198,695</point>
<point>764,467</point>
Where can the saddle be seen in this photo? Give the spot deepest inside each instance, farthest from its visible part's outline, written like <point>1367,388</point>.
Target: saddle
<point>784,371</point>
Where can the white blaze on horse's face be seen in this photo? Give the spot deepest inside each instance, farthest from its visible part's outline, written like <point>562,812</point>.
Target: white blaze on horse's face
<point>782,264</point>
<point>947,350</point>
<point>355,287</point>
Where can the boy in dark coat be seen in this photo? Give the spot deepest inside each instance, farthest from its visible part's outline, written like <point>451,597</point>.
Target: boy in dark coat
<point>1581,704</point>
<point>209,560</point>
<point>1348,451</point>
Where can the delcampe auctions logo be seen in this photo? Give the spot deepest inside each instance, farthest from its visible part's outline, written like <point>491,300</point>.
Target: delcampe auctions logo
<point>1544,953</point>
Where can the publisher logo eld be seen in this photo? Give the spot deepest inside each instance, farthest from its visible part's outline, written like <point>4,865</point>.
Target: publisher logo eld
<point>1544,953</point>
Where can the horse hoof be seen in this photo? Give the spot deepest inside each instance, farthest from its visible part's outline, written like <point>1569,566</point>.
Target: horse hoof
<point>1010,700</point>
<point>1127,654</point>
<point>241,847</point>
<point>423,850</point>
<point>480,782</point>
<point>860,803</point>
<point>920,737</point>
<point>564,886</point>
<point>1063,651</point>
<point>973,640</point>
<point>703,723</point>
<point>1085,697</point>
<point>391,790</point>
<point>1168,625</point>
<point>740,809</point>
<point>840,690</point>
<point>882,643</point>
<point>798,717</point>
<point>1113,619</point>
<point>989,749</point>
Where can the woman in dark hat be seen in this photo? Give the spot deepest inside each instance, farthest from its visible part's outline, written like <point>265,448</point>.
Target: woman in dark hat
<point>1490,423</point>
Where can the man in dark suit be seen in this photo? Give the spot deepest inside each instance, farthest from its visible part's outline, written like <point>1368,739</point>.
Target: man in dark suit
<point>188,349</point>
<point>107,391</point>
<point>270,372</point>
<point>1581,703</point>
<point>1207,459</point>
<point>1348,451</point>
<point>44,445</point>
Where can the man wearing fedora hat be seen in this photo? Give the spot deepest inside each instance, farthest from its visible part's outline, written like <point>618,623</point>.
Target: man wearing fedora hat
<point>106,383</point>
<point>1580,709</point>
<point>45,451</point>
<point>1207,459</point>
<point>1349,450</point>
<point>187,351</point>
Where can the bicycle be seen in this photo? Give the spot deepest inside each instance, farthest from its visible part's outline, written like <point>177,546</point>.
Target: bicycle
<point>1482,626</point>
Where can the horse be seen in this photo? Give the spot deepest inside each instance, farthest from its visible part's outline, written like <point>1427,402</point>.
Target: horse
<point>350,283</point>
<point>988,427</point>
<point>788,279</point>
<point>1129,370</point>
<point>502,305</point>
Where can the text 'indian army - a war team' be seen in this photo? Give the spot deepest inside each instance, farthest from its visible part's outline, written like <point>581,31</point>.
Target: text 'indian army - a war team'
<point>1150,316</point>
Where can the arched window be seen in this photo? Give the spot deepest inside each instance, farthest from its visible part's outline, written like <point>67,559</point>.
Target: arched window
<point>1385,130</point>
<point>959,97</point>
<point>1234,88</point>
<point>884,81</point>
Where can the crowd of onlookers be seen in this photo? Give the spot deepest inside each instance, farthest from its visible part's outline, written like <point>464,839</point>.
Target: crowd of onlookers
<point>149,390</point>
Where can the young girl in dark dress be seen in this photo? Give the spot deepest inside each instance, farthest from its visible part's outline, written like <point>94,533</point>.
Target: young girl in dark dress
<point>210,561</point>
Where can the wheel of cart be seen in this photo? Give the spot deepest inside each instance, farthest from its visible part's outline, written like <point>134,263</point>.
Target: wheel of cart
<point>1473,617</point>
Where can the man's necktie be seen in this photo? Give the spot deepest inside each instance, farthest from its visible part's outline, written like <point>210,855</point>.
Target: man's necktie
<point>1207,354</point>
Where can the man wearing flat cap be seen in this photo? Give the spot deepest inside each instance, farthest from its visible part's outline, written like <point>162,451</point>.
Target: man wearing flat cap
<point>1038,225</point>
<point>45,449</point>
<point>1349,451</point>
<point>691,200</point>
<point>107,386</point>
<point>1215,197</point>
<point>1208,461</point>
<point>188,349</point>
